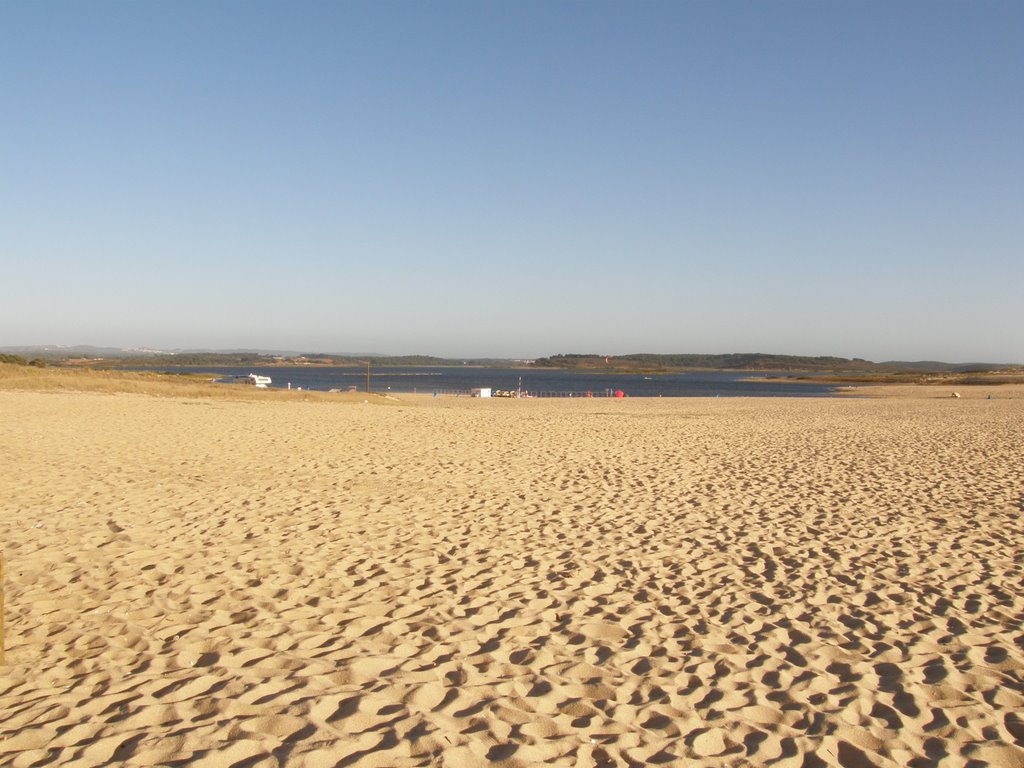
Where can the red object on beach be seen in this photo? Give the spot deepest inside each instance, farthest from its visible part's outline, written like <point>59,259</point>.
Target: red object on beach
<point>619,393</point>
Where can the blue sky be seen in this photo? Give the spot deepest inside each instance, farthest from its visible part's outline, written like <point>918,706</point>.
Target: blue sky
<point>515,178</point>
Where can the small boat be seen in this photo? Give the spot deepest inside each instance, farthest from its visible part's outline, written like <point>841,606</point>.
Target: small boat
<point>253,379</point>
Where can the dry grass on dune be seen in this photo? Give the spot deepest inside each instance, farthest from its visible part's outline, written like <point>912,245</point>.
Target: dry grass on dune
<point>190,386</point>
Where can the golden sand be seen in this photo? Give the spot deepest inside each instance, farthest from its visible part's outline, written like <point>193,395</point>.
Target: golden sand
<point>452,582</point>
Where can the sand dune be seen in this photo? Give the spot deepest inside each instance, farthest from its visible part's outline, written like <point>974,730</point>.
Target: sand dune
<point>459,582</point>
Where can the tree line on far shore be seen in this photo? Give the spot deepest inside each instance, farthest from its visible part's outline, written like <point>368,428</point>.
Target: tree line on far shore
<point>748,362</point>
<point>632,363</point>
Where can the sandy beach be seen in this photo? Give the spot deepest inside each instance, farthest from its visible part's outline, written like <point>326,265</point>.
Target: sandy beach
<point>455,582</point>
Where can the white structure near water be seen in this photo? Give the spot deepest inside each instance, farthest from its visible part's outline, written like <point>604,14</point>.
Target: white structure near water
<point>481,392</point>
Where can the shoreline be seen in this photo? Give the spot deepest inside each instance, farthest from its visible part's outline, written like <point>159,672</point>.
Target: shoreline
<point>198,386</point>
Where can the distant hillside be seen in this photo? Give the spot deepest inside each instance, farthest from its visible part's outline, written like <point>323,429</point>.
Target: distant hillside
<point>109,356</point>
<point>749,362</point>
<point>639,362</point>
<point>932,366</point>
<point>243,359</point>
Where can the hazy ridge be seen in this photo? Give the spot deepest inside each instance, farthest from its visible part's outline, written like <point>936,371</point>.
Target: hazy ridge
<point>647,362</point>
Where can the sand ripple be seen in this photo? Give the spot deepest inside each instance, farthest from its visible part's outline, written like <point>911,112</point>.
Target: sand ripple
<point>469,583</point>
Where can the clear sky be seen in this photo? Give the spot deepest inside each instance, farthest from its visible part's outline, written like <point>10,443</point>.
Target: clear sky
<point>515,178</point>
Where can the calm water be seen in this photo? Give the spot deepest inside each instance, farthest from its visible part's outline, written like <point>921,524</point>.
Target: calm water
<point>450,380</point>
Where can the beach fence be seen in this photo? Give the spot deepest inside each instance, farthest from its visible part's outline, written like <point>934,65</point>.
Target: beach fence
<point>498,393</point>
<point>575,393</point>
<point>449,392</point>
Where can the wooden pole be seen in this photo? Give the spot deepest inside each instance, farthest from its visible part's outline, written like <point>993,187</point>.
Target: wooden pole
<point>367,375</point>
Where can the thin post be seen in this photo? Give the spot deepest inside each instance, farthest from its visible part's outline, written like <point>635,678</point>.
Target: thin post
<point>367,375</point>
<point>1,610</point>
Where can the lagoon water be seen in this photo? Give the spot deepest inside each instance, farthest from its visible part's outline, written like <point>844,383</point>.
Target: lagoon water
<point>537,382</point>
